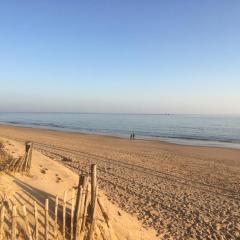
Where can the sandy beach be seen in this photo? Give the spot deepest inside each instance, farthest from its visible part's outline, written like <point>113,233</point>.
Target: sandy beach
<point>182,192</point>
<point>48,179</point>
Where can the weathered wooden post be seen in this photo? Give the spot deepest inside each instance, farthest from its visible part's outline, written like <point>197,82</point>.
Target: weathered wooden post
<point>77,207</point>
<point>76,215</point>
<point>28,158</point>
<point>83,197</point>
<point>92,220</point>
<point>85,207</point>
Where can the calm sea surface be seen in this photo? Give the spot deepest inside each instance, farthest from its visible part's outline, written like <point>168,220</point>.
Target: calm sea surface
<point>207,130</point>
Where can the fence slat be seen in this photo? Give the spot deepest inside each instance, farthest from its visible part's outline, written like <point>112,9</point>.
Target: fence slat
<point>25,216</point>
<point>56,217</point>
<point>77,207</point>
<point>92,221</point>
<point>64,214</point>
<point>2,215</point>
<point>30,158</point>
<point>76,214</point>
<point>93,183</point>
<point>81,211</point>
<point>12,164</point>
<point>86,208</point>
<point>26,159</point>
<point>36,220</point>
<point>46,219</point>
<point>16,163</point>
<point>72,211</point>
<point>14,222</point>
<point>78,226</point>
<point>20,164</point>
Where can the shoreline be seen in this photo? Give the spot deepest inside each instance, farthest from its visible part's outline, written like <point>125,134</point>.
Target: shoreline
<point>176,141</point>
<point>93,141</point>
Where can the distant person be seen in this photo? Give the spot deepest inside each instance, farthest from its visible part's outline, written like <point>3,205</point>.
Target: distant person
<point>133,136</point>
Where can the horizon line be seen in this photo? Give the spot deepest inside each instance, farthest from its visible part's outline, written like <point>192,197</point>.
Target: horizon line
<point>116,113</point>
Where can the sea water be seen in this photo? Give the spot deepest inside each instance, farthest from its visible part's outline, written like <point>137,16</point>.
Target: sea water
<point>206,130</point>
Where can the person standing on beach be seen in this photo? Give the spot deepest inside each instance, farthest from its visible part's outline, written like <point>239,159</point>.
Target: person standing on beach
<point>133,136</point>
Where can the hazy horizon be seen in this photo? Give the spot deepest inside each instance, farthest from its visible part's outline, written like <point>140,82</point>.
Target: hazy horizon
<point>144,57</point>
<point>125,113</point>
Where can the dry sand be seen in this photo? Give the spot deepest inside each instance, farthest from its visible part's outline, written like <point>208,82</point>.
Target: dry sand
<point>183,192</point>
<point>48,179</point>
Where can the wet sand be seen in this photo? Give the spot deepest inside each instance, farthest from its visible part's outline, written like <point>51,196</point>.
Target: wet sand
<point>183,192</point>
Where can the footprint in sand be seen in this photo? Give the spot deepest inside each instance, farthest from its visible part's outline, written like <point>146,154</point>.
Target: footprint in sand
<point>43,171</point>
<point>59,180</point>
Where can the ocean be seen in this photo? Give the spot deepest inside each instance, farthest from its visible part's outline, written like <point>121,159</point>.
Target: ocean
<point>203,130</point>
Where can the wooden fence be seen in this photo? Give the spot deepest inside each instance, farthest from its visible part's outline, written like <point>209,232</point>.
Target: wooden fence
<point>22,164</point>
<point>76,221</point>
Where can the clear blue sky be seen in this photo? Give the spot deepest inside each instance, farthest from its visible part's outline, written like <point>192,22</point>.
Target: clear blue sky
<point>120,56</point>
